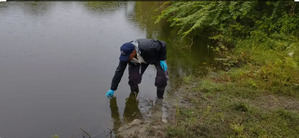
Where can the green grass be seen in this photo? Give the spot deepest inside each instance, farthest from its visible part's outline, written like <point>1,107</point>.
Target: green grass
<point>269,66</point>
<point>224,114</point>
<point>230,103</point>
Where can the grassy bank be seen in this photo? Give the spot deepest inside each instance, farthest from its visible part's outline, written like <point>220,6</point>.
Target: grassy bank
<point>253,93</point>
<point>225,110</point>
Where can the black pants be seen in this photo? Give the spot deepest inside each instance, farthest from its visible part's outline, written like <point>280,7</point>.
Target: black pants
<point>135,75</point>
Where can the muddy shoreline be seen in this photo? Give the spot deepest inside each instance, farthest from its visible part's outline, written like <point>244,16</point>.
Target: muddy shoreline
<point>159,117</point>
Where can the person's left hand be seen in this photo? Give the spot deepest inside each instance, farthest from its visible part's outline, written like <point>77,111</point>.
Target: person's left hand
<point>163,65</point>
<point>109,94</point>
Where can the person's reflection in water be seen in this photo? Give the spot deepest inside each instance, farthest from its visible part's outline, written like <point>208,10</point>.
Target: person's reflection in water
<point>131,111</point>
<point>114,114</point>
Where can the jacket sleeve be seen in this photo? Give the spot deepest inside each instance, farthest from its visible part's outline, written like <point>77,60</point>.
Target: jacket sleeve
<point>162,53</point>
<point>118,74</point>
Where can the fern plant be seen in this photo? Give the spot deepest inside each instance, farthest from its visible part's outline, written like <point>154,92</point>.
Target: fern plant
<point>228,20</point>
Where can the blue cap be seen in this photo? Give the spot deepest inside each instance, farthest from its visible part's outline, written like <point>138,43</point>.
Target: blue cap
<point>126,49</point>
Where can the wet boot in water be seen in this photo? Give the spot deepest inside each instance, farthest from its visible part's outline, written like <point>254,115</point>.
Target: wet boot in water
<point>160,93</point>
<point>134,90</point>
<point>159,110</point>
<point>160,107</point>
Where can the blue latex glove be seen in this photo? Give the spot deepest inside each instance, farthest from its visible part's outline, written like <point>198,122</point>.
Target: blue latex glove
<point>163,65</point>
<point>109,94</point>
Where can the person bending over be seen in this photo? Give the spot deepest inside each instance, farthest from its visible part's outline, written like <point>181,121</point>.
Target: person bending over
<point>139,54</point>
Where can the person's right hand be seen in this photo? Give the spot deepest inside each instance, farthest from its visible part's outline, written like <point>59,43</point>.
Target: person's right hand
<point>109,94</point>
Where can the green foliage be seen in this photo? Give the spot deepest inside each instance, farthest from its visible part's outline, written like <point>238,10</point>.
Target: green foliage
<point>272,68</point>
<point>190,16</point>
<point>264,36</point>
<point>263,63</point>
<point>229,20</point>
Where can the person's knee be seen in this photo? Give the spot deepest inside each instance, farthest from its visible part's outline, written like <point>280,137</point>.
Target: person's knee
<point>134,78</point>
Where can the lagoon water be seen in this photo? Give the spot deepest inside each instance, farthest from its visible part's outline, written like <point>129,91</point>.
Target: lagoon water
<point>57,60</point>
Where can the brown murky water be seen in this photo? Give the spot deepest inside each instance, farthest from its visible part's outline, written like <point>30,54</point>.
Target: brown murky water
<point>57,60</point>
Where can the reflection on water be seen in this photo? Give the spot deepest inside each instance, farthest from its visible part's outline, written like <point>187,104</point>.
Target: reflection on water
<point>102,6</point>
<point>32,8</point>
<point>115,114</point>
<point>145,14</point>
<point>36,8</point>
<point>131,111</point>
<point>57,60</point>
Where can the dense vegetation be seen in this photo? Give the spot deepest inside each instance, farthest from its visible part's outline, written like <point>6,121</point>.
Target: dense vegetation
<point>260,37</point>
<point>255,94</point>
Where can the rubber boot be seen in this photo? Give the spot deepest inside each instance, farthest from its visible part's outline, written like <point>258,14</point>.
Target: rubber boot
<point>134,90</point>
<point>160,93</point>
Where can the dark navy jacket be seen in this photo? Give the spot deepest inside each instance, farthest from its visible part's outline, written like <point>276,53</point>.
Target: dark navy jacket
<point>152,52</point>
